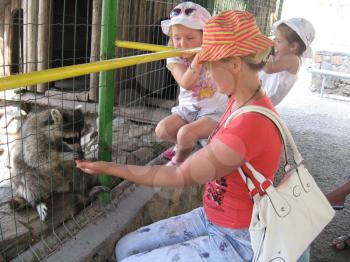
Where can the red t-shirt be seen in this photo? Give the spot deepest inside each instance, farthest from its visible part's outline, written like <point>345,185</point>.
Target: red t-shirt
<point>226,200</point>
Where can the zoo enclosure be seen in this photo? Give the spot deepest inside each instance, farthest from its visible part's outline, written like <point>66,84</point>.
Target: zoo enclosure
<point>38,35</point>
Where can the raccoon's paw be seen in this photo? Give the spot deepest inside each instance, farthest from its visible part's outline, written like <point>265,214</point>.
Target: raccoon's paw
<point>41,208</point>
<point>78,155</point>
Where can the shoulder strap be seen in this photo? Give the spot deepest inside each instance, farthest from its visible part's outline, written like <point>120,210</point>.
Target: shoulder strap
<point>286,136</point>
<point>284,131</point>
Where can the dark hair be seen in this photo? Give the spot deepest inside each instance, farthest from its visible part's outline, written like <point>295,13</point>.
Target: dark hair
<point>292,37</point>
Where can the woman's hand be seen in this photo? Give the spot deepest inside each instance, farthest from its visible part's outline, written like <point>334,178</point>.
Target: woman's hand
<point>93,168</point>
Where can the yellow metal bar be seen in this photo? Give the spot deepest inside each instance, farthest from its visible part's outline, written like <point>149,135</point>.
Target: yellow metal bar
<point>142,46</point>
<point>38,77</point>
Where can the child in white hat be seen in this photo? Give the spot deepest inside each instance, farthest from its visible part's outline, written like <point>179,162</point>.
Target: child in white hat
<point>292,41</point>
<point>200,105</point>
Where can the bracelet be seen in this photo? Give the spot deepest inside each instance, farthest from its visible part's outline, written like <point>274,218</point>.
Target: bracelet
<point>192,69</point>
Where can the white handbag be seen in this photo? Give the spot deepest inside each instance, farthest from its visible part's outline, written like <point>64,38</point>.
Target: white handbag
<point>290,215</point>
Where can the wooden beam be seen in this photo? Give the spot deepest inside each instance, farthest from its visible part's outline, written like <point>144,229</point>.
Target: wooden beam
<point>95,46</point>
<point>43,39</point>
<point>32,36</point>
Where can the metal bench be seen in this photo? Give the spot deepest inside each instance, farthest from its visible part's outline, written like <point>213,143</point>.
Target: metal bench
<point>324,73</point>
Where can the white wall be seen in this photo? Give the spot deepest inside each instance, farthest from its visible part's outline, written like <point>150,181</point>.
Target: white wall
<point>331,19</point>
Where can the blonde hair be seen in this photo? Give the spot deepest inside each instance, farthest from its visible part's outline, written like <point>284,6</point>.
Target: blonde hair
<point>254,61</point>
<point>257,58</point>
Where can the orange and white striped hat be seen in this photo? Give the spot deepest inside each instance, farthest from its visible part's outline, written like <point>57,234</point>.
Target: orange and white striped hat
<point>232,33</point>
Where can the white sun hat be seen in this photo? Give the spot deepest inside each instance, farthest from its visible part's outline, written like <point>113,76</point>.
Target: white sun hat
<point>187,14</point>
<point>304,29</point>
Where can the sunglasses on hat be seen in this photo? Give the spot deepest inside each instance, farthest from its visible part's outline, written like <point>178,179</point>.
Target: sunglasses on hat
<point>178,11</point>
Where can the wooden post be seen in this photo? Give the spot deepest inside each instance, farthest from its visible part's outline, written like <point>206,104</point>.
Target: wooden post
<point>25,36</point>
<point>262,11</point>
<point>95,46</point>
<point>43,41</point>
<point>6,41</point>
<point>2,42</point>
<point>32,37</point>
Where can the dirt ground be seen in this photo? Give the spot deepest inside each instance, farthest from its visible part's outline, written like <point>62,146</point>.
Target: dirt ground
<point>320,127</point>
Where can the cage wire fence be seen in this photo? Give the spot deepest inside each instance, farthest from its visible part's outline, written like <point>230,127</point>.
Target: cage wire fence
<point>41,129</point>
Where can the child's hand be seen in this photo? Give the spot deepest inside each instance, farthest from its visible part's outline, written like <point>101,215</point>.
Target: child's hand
<point>195,67</point>
<point>93,168</point>
<point>195,59</point>
<point>191,53</point>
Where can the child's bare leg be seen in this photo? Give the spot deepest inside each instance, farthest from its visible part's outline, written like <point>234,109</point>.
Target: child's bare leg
<point>189,134</point>
<point>169,126</point>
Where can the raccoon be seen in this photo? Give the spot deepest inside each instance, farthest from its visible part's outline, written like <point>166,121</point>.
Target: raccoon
<point>43,160</point>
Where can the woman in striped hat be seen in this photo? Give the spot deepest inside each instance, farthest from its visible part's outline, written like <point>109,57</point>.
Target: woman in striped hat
<point>233,50</point>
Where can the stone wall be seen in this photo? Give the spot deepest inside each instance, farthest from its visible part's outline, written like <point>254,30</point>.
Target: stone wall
<point>333,61</point>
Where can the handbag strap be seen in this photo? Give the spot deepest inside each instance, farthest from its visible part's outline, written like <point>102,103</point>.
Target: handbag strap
<point>284,131</point>
<point>286,137</point>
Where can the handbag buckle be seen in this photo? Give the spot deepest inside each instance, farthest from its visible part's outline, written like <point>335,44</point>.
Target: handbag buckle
<point>253,192</point>
<point>265,185</point>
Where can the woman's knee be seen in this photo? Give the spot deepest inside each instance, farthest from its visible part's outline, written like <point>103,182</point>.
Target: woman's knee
<point>305,257</point>
<point>122,248</point>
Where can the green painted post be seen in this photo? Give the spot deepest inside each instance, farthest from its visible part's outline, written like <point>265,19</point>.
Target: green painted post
<point>106,90</point>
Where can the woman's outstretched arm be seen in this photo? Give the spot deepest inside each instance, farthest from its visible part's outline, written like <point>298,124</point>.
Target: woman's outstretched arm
<point>207,164</point>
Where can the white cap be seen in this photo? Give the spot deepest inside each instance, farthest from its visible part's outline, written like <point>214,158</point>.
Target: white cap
<point>304,29</point>
<point>195,19</point>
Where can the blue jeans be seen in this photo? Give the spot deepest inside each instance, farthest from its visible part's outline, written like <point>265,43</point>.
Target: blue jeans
<point>188,237</point>
<point>305,257</point>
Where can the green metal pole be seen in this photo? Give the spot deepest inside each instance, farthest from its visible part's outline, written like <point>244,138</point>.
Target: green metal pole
<point>106,90</point>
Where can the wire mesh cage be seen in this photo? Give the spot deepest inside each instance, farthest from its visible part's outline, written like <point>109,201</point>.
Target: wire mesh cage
<point>45,126</point>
